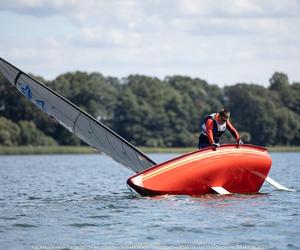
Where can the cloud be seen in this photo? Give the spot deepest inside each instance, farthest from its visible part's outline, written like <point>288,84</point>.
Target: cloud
<point>216,39</point>
<point>94,37</point>
<point>239,8</point>
<point>40,8</point>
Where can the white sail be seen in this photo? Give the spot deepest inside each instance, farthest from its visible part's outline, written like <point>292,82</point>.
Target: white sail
<point>76,120</point>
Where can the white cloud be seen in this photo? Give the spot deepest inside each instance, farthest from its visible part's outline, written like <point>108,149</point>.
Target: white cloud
<point>216,40</point>
<point>41,8</point>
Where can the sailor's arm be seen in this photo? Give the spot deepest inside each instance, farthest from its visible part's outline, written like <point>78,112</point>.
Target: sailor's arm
<point>233,131</point>
<point>209,130</point>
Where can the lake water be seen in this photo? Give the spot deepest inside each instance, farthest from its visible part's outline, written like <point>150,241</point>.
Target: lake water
<point>82,202</point>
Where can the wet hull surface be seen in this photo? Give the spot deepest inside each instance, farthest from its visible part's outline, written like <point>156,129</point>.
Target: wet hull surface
<point>235,169</point>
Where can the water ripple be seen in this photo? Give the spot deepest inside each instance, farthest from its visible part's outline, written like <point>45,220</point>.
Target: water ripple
<point>80,199</point>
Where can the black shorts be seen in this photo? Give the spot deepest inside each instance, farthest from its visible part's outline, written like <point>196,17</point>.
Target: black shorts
<point>204,142</point>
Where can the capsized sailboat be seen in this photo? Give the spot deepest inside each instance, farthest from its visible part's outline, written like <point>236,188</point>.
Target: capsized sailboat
<point>229,169</point>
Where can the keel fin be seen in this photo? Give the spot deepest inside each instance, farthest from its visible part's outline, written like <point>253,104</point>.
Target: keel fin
<point>278,185</point>
<point>220,190</point>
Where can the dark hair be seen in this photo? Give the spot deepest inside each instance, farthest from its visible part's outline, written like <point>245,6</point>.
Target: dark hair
<point>224,113</point>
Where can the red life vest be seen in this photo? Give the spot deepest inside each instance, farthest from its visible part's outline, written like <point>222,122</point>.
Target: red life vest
<point>218,129</point>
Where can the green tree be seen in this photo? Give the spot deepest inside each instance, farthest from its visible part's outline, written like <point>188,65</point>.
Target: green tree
<point>91,92</point>
<point>288,127</point>
<point>134,113</point>
<point>30,135</point>
<point>279,81</point>
<point>200,98</point>
<point>152,112</point>
<point>16,107</point>
<point>253,111</point>
<point>9,132</point>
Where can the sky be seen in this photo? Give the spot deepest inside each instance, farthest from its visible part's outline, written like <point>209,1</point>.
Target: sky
<point>221,41</point>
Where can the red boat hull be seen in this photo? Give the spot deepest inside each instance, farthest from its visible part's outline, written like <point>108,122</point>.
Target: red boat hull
<point>238,169</point>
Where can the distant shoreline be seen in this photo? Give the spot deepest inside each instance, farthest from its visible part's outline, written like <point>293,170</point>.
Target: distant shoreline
<point>27,150</point>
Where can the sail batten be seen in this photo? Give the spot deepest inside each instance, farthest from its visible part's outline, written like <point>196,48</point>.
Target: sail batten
<point>17,78</point>
<point>77,121</point>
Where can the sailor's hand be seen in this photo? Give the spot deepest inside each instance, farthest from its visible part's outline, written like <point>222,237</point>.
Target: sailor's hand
<point>240,142</point>
<point>216,144</point>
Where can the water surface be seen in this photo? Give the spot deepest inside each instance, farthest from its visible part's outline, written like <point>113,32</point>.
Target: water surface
<point>82,202</point>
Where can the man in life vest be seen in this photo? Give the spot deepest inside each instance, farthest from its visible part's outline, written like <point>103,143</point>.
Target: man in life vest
<point>214,126</point>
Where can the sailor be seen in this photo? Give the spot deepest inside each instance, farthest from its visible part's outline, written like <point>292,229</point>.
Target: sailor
<point>214,126</point>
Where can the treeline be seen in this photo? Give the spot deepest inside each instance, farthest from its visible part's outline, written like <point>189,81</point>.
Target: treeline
<point>148,111</point>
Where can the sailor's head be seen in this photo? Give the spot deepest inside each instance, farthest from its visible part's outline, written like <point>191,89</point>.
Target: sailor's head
<point>224,115</point>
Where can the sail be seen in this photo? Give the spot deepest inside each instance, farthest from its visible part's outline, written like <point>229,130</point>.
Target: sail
<point>77,121</point>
